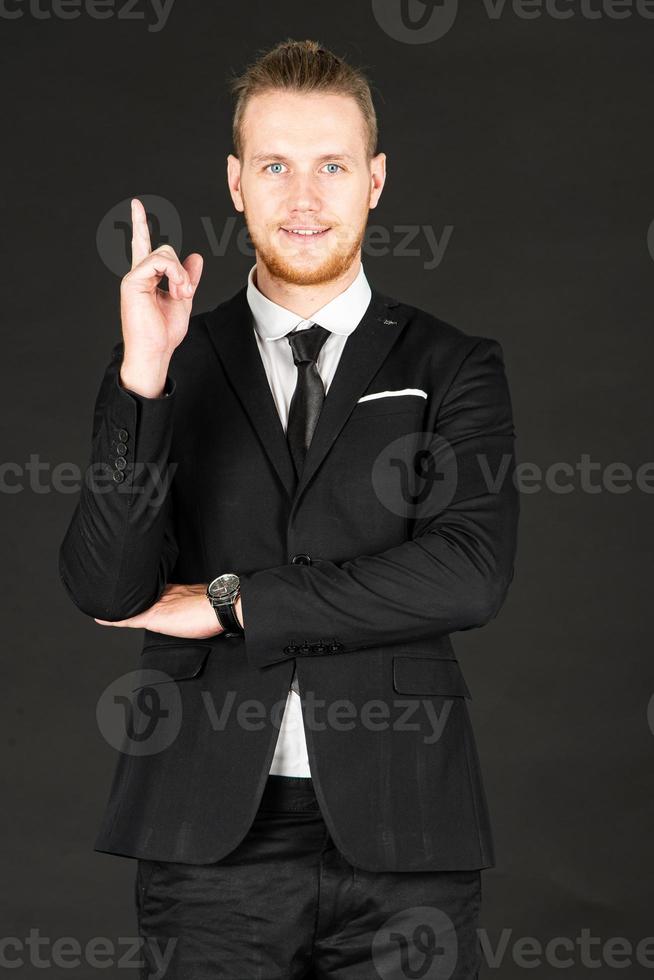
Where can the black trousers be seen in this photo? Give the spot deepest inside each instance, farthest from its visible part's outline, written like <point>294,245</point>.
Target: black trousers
<point>285,904</point>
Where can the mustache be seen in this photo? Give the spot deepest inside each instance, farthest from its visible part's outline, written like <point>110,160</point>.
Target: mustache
<point>303,223</point>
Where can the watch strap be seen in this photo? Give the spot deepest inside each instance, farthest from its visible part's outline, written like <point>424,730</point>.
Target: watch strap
<point>228,619</point>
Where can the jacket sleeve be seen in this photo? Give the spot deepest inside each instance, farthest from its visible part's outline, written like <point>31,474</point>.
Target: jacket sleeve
<point>454,572</point>
<point>120,547</point>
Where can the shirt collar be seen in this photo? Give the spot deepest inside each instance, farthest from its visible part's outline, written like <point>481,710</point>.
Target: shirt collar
<point>341,315</point>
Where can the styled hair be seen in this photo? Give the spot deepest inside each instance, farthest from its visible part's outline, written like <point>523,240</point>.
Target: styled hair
<point>302,66</point>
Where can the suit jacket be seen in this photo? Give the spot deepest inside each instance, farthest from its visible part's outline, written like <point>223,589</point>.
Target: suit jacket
<point>394,538</point>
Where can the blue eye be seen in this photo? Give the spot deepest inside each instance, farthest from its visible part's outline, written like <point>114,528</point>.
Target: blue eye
<point>335,165</point>
<point>276,165</point>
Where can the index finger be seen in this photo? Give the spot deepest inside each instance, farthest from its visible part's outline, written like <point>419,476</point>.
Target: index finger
<point>141,246</point>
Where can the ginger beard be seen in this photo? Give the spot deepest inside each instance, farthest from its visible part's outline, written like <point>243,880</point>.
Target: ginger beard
<point>307,263</point>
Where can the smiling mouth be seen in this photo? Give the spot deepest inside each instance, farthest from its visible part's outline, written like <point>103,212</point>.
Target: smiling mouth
<point>305,234</point>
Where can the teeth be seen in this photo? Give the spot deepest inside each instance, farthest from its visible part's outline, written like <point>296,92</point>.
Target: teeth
<point>306,231</point>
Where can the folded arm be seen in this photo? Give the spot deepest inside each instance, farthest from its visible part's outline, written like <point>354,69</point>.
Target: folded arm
<point>452,575</point>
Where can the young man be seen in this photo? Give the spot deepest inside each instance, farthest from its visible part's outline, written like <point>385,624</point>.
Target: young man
<point>338,500</point>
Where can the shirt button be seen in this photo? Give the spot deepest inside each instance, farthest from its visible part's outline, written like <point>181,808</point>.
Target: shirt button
<point>301,560</point>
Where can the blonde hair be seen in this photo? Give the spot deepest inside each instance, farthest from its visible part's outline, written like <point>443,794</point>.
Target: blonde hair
<point>302,66</point>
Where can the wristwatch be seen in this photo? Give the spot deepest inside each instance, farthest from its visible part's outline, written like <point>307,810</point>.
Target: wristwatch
<point>222,593</point>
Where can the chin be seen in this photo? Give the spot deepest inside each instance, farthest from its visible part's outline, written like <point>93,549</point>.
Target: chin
<point>307,275</point>
<point>308,271</point>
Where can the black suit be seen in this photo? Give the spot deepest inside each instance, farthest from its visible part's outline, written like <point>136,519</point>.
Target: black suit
<point>368,620</point>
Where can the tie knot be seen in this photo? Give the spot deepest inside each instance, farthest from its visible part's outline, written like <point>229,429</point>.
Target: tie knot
<point>306,344</point>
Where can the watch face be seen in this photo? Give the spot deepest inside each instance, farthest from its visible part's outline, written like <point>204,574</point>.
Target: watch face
<point>224,586</point>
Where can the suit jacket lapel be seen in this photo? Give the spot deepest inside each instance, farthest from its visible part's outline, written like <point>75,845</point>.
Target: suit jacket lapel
<point>232,335</point>
<point>365,350</point>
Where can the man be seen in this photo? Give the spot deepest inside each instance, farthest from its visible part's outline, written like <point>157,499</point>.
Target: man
<point>338,501</point>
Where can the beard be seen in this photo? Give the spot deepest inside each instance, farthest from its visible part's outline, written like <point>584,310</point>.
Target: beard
<point>327,268</point>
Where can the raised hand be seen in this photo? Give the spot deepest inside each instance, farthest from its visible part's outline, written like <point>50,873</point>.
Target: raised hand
<point>154,322</point>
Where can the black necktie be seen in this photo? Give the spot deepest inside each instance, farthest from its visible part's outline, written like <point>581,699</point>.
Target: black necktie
<point>309,393</point>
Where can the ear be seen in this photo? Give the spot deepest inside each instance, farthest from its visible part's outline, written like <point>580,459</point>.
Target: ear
<point>234,181</point>
<point>377,178</point>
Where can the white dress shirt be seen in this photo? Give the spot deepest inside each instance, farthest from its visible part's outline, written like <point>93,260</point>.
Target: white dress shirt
<point>272,322</point>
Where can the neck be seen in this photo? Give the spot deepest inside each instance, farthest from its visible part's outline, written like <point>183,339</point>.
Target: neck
<point>303,300</point>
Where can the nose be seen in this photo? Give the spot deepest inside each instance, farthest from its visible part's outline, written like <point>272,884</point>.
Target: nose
<point>303,194</point>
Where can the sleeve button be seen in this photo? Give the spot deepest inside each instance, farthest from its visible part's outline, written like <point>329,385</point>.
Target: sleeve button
<point>123,435</point>
<point>120,462</point>
<point>118,476</point>
<point>121,449</point>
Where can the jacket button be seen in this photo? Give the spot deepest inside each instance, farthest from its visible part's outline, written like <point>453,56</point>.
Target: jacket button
<point>123,435</point>
<point>301,560</point>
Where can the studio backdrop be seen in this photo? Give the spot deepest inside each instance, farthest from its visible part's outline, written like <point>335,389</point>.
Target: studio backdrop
<point>518,206</point>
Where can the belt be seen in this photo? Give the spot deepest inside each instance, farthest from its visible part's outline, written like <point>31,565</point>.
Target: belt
<point>294,793</point>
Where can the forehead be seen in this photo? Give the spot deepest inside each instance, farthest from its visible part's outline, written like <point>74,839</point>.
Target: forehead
<point>302,124</point>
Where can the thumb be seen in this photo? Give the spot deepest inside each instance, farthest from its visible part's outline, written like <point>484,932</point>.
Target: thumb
<point>193,264</point>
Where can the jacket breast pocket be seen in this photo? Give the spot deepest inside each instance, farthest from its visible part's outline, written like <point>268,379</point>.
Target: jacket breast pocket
<point>389,405</point>
<point>429,675</point>
<point>182,661</point>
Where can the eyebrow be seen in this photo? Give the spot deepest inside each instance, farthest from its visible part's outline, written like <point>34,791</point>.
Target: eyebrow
<point>281,158</point>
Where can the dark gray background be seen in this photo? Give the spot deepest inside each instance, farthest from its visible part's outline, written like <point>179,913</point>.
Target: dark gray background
<point>532,139</point>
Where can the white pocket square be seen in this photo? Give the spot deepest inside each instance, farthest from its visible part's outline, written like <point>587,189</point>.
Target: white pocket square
<point>389,394</point>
